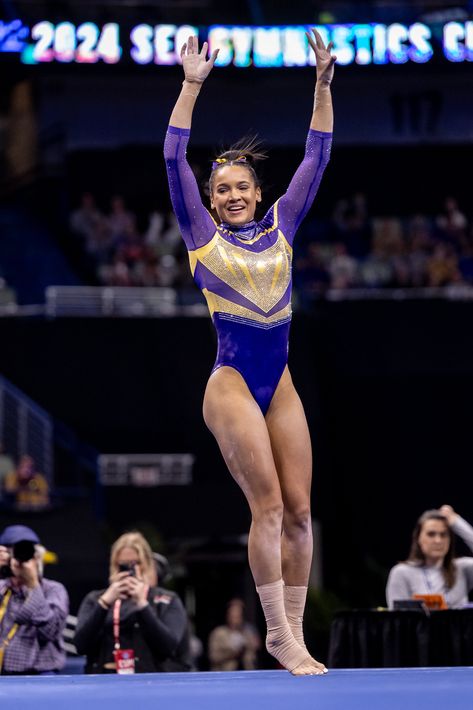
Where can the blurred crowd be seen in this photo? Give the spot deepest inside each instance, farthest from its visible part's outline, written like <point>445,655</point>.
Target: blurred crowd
<point>350,249</point>
<point>354,249</point>
<point>123,255</point>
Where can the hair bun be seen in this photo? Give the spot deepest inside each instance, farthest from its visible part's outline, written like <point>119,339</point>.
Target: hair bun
<point>246,150</point>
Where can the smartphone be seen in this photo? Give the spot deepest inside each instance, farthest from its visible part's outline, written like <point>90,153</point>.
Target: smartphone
<point>125,567</point>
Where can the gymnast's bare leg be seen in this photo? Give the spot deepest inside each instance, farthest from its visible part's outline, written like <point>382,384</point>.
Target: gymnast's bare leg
<point>280,528</point>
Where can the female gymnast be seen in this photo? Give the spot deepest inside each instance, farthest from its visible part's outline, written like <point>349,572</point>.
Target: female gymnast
<point>250,405</point>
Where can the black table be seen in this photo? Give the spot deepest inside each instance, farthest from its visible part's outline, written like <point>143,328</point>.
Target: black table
<point>394,639</point>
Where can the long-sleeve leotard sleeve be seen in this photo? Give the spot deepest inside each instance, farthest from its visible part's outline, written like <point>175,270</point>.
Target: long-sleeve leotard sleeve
<point>196,224</point>
<point>295,203</point>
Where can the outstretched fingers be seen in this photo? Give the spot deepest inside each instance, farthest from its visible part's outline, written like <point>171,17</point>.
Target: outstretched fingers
<point>192,45</point>
<point>322,53</point>
<point>318,39</point>
<point>311,42</point>
<point>213,57</point>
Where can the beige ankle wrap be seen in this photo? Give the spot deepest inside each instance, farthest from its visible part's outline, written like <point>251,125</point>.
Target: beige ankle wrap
<point>280,641</point>
<point>294,604</point>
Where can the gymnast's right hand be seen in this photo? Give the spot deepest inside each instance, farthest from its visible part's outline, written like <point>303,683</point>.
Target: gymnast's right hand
<point>196,66</point>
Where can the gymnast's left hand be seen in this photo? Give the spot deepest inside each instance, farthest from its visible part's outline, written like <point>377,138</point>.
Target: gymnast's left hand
<point>325,60</point>
<point>195,64</point>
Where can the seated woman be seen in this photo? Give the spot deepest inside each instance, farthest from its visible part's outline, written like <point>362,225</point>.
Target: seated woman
<point>432,567</point>
<point>133,625</point>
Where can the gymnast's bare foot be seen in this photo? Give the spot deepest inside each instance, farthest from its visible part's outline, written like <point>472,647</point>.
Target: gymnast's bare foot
<point>310,667</point>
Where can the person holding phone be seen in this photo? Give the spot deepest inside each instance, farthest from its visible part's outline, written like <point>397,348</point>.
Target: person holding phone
<point>133,626</point>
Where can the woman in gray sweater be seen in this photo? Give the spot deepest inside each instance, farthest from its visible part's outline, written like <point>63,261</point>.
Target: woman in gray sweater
<point>431,567</point>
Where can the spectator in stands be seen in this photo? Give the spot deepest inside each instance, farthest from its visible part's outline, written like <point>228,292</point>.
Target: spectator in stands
<point>235,645</point>
<point>153,234</point>
<point>342,268</point>
<point>376,271</point>
<point>25,488</point>
<point>7,296</point>
<point>7,465</point>
<point>163,236</point>
<point>33,610</point>
<point>465,264</point>
<point>431,567</point>
<point>451,221</point>
<point>311,276</point>
<point>442,266</point>
<point>171,237</point>
<point>133,625</point>
<point>419,244</point>
<point>352,226</point>
<point>121,222</point>
<point>87,222</point>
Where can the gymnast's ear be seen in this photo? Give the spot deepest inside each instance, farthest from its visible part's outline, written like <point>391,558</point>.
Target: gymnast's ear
<point>258,194</point>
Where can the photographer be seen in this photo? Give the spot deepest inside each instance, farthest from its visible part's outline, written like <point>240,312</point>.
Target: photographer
<point>33,609</point>
<point>133,626</point>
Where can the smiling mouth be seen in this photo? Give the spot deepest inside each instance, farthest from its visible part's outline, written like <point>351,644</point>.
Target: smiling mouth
<point>235,208</point>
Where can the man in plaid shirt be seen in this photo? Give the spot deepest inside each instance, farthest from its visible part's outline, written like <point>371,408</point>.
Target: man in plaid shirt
<point>33,610</point>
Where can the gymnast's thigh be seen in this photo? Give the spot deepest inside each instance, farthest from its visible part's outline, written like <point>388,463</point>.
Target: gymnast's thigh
<point>236,421</point>
<point>290,442</point>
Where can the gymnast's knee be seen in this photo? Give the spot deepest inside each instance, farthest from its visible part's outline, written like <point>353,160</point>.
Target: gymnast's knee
<point>268,513</point>
<point>297,521</point>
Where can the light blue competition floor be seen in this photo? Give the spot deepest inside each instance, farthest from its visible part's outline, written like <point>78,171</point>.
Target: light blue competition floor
<point>383,689</point>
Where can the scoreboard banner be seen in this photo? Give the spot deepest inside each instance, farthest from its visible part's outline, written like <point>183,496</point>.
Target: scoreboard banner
<point>240,46</point>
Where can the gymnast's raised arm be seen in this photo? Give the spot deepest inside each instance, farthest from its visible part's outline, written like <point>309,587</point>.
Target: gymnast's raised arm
<point>295,203</point>
<point>194,220</point>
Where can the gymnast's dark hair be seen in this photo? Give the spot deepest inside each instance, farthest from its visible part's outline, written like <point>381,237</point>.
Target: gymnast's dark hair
<point>245,152</point>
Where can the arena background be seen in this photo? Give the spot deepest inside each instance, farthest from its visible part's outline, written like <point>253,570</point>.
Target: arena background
<point>387,384</point>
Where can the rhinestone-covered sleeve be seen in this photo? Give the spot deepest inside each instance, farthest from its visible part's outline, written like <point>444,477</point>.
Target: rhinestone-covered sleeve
<point>296,202</point>
<point>194,220</point>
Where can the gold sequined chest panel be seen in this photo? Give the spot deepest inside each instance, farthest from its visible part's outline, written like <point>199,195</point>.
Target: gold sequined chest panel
<point>260,277</point>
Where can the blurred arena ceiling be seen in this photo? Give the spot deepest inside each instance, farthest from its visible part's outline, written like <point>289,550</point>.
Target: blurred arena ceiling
<point>241,11</point>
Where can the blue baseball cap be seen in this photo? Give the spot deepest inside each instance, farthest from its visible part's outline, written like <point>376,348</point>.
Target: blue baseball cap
<point>17,533</point>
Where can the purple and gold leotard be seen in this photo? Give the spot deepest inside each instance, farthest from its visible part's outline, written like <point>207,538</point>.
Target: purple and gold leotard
<point>244,272</point>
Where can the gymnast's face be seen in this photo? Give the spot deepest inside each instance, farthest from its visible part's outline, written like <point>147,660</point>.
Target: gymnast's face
<point>234,194</point>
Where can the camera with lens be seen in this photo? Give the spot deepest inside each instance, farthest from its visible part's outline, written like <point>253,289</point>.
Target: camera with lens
<point>22,551</point>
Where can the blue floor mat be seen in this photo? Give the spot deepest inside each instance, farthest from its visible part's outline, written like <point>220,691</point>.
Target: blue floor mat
<point>371,689</point>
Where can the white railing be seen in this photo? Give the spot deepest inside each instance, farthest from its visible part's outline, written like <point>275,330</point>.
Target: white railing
<point>123,301</point>
<point>68,635</point>
<point>110,301</point>
<point>26,428</point>
<point>455,292</point>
